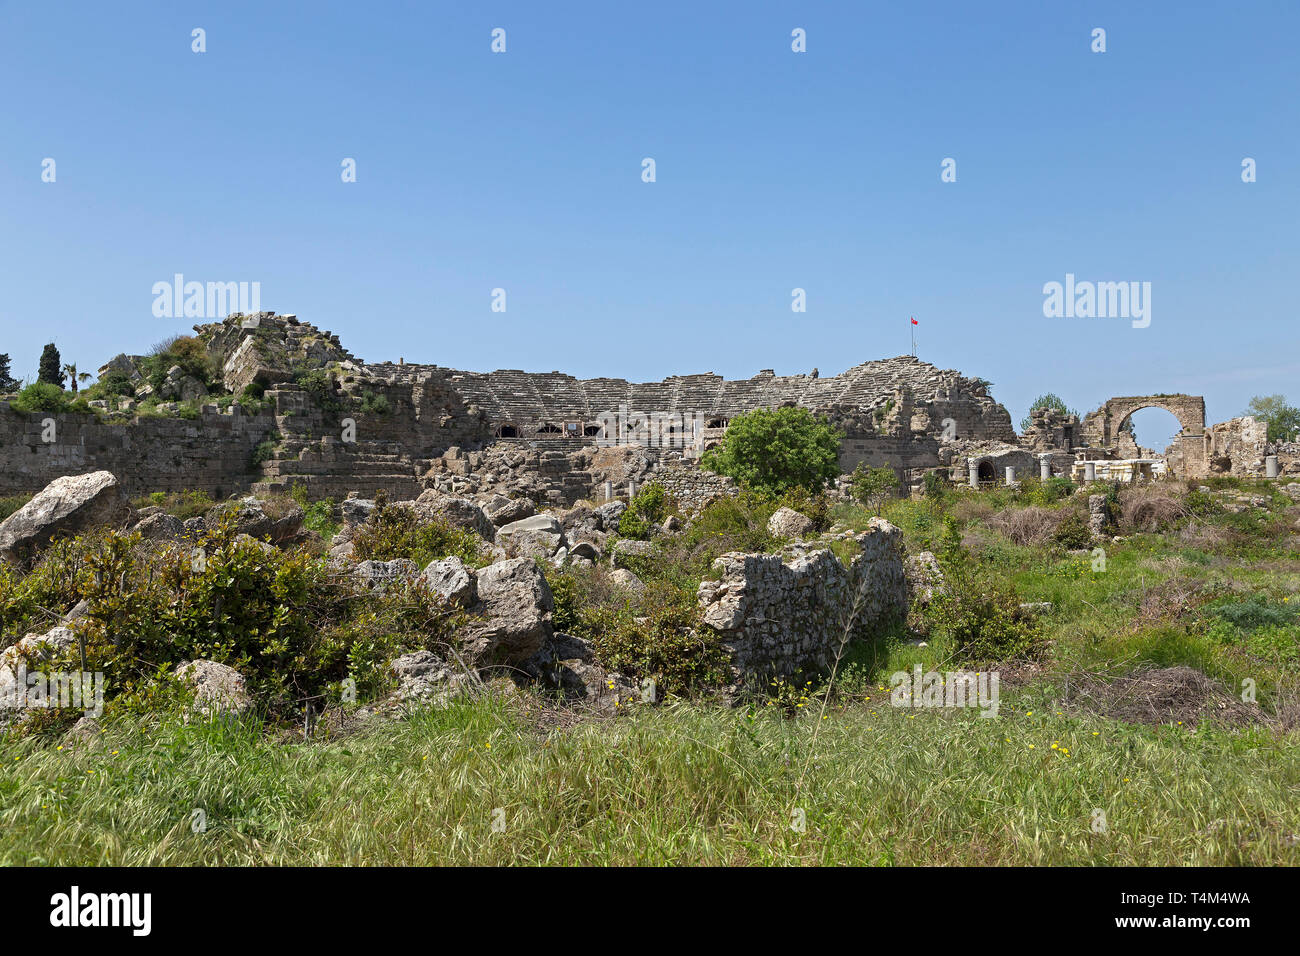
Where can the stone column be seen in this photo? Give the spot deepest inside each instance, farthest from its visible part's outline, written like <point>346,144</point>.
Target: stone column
<point>631,490</point>
<point>1044,467</point>
<point>609,491</point>
<point>1089,471</point>
<point>1011,474</point>
<point>1270,466</point>
<point>974,468</point>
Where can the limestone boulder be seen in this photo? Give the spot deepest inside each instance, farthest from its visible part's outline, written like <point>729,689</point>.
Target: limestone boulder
<point>609,514</point>
<point>627,550</point>
<point>217,688</point>
<point>66,506</point>
<point>924,577</point>
<point>788,523</point>
<point>381,575</point>
<point>450,579</point>
<point>160,526</point>
<point>540,536</point>
<point>503,511</point>
<point>628,581</point>
<point>512,618</point>
<point>454,511</point>
<point>30,653</point>
<point>568,665</point>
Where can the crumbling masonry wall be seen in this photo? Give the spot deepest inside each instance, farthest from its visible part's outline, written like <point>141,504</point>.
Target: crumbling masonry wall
<point>213,453</point>
<point>776,616</point>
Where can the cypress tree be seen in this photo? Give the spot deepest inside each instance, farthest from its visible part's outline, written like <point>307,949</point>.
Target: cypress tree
<point>51,367</point>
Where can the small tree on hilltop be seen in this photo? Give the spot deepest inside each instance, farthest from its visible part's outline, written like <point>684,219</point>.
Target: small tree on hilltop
<point>7,382</point>
<point>1283,420</point>
<point>873,486</point>
<point>51,370</point>
<point>775,450</point>
<point>1050,400</point>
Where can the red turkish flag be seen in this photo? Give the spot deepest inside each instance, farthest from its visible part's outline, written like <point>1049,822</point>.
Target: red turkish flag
<point>914,322</point>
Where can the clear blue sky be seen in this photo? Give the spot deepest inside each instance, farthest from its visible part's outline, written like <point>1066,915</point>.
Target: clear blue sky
<point>775,170</point>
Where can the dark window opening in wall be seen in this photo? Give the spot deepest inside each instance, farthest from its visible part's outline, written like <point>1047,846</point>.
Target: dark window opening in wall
<point>593,431</point>
<point>717,423</point>
<point>507,431</point>
<point>986,471</point>
<point>548,429</point>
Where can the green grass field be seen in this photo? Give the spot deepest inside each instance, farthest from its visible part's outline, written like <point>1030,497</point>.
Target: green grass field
<point>850,781</point>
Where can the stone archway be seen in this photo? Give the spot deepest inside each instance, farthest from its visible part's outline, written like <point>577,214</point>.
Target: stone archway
<point>1105,427</point>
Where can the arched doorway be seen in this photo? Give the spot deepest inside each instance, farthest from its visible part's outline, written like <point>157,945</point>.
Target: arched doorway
<point>1152,429</point>
<point>985,472</point>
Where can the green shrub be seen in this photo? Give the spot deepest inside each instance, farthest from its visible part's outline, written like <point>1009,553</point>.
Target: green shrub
<point>773,450</point>
<point>979,613</point>
<point>666,644</point>
<point>372,404</point>
<point>293,629</point>
<point>649,507</point>
<point>318,516</point>
<point>265,451</point>
<point>42,397</point>
<point>1072,533</point>
<point>395,532</point>
<point>872,487</point>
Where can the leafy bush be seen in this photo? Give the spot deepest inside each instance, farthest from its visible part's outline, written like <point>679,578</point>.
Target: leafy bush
<point>1035,491</point>
<point>979,613</point>
<point>264,451</point>
<point>282,619</point>
<point>42,397</point>
<point>666,645</point>
<point>1257,611</point>
<point>873,486</point>
<point>774,450</point>
<point>649,507</point>
<point>372,404</point>
<point>395,532</point>
<point>318,516</point>
<point>1073,532</point>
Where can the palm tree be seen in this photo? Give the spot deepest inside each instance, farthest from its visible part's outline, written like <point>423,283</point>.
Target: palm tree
<point>71,371</point>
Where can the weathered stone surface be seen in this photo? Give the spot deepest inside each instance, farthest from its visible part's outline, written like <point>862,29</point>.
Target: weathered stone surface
<point>160,526</point>
<point>68,505</point>
<point>356,511</point>
<point>249,517</point>
<point>29,653</point>
<point>626,579</point>
<point>381,575</point>
<point>424,676</point>
<point>626,548</point>
<point>788,523</point>
<point>513,616</point>
<point>567,664</point>
<point>539,536</point>
<point>217,687</point>
<point>585,549</point>
<point>457,512</point>
<point>450,579</point>
<point>609,514</point>
<point>502,510</point>
<point>924,577</point>
<point>776,616</point>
